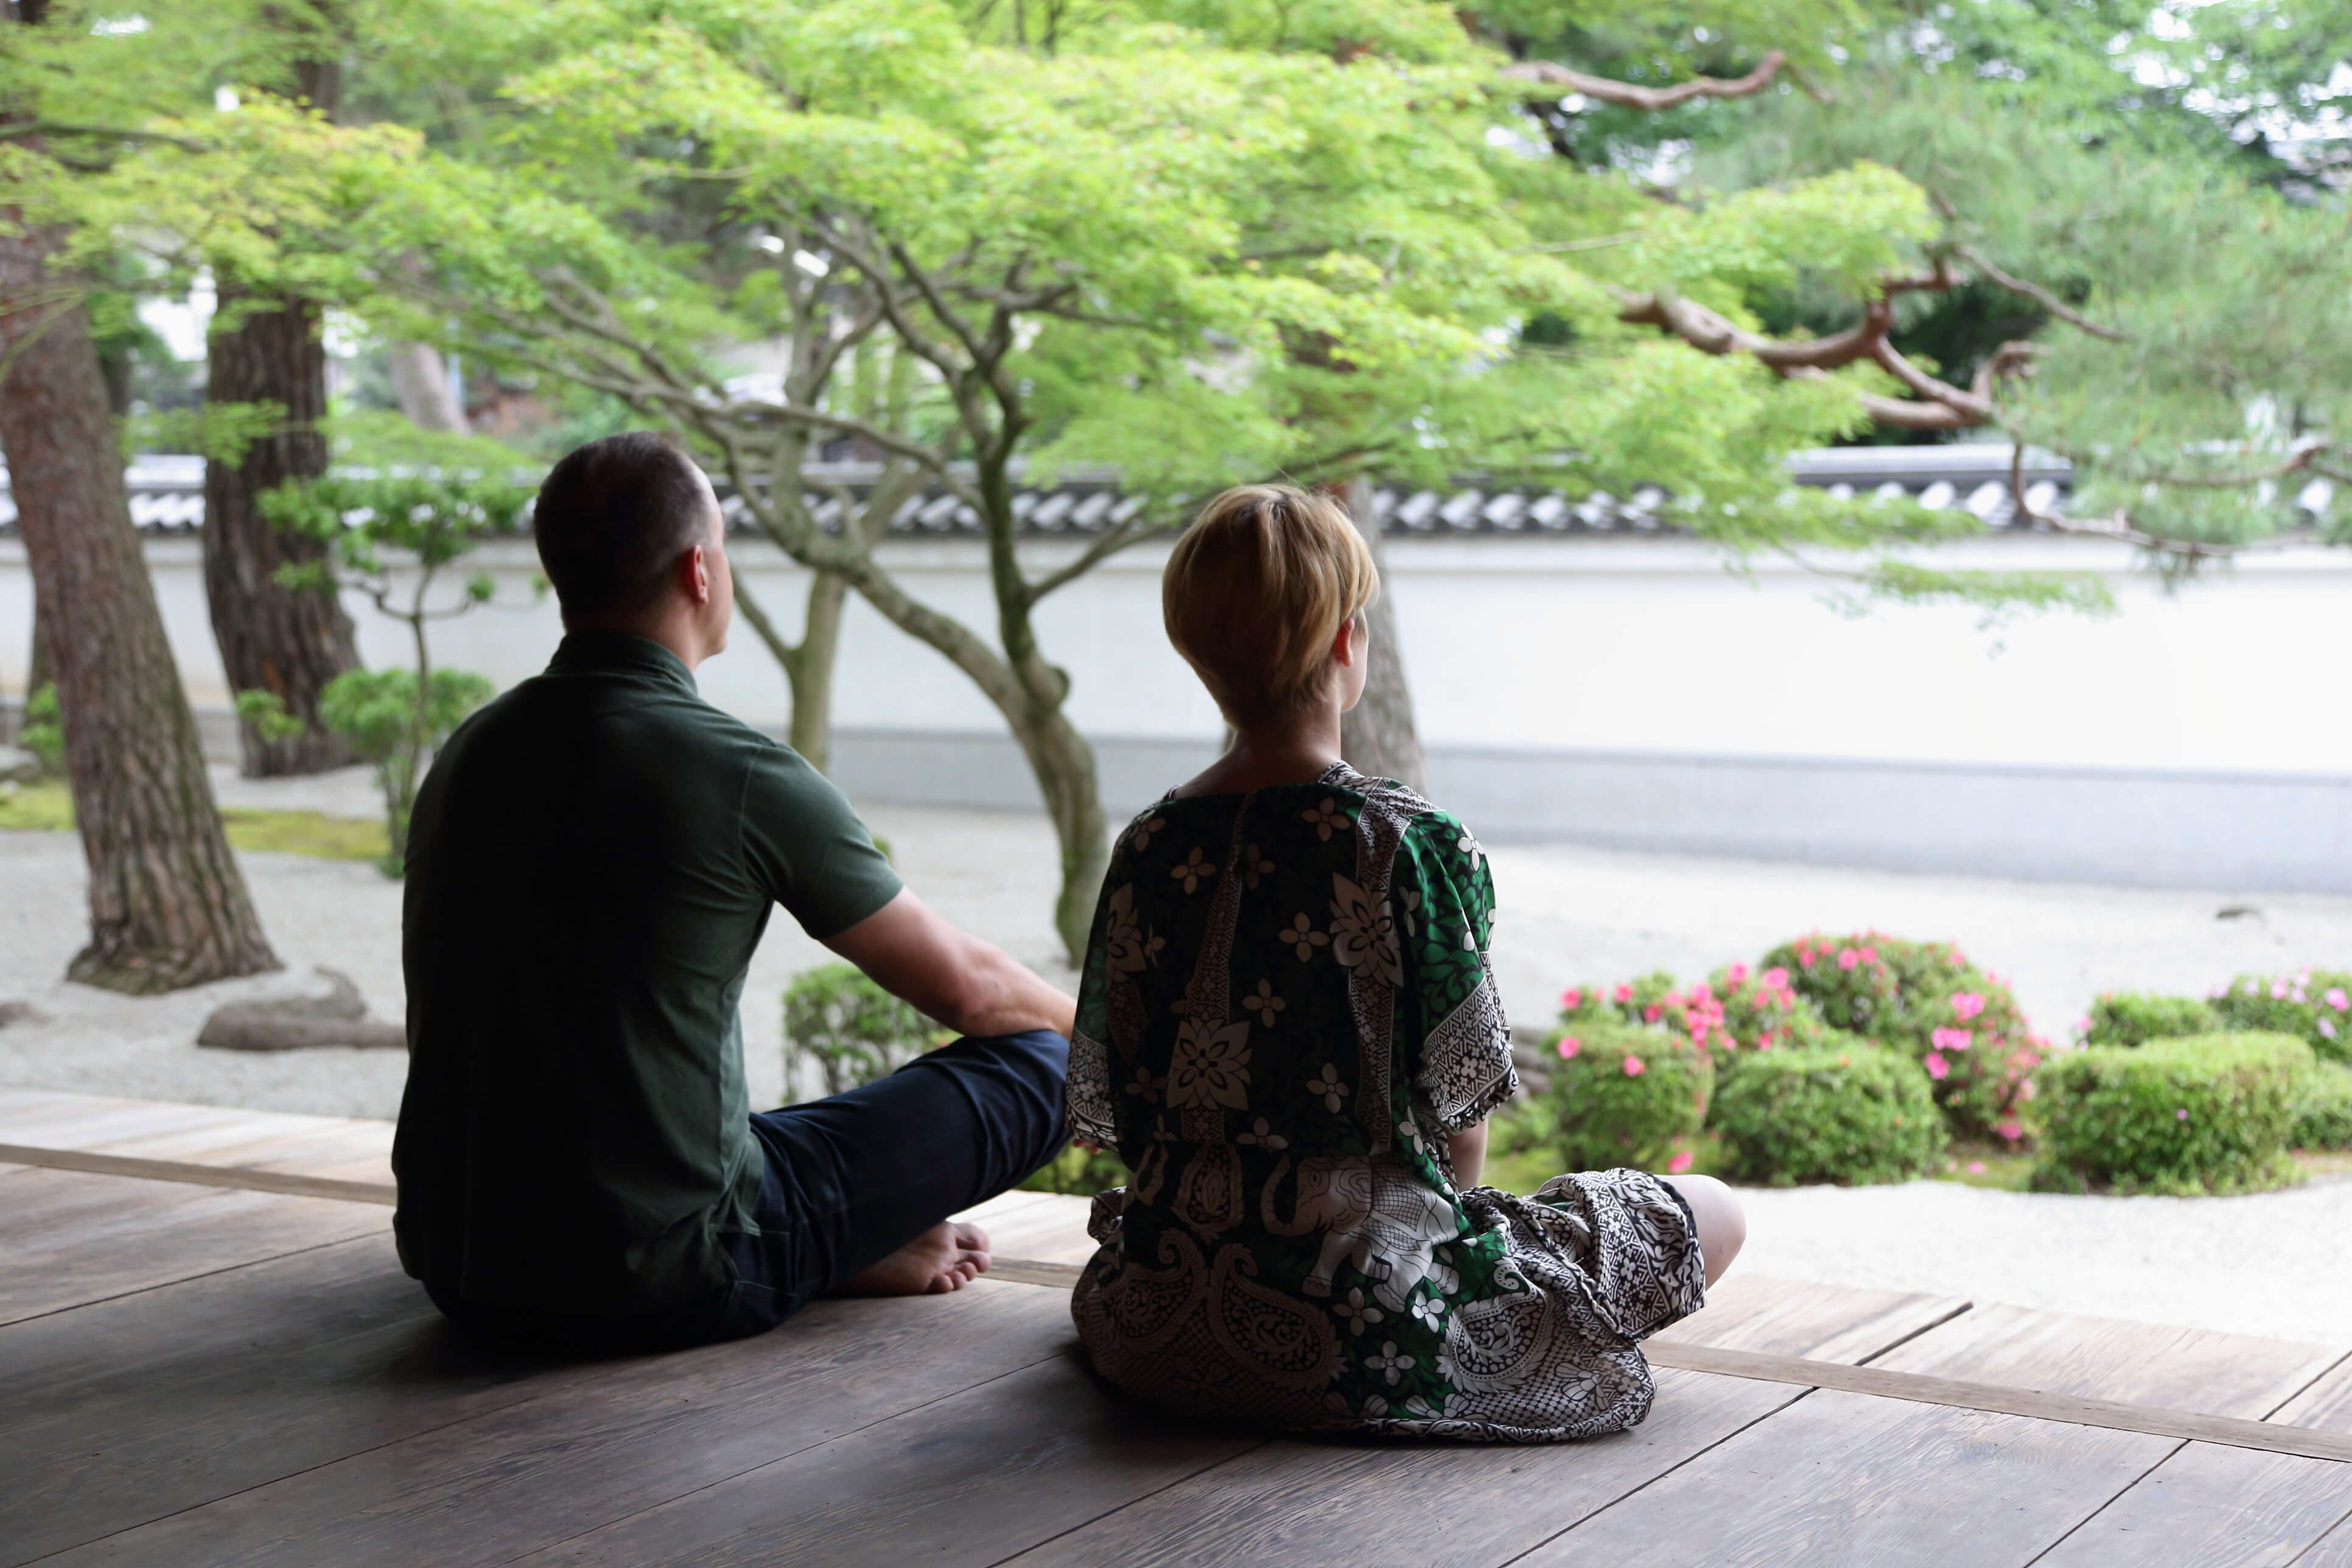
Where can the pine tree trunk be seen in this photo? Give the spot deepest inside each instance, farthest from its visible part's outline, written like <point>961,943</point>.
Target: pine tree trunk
<point>1064,765</point>
<point>168,905</point>
<point>1378,736</point>
<point>273,639</point>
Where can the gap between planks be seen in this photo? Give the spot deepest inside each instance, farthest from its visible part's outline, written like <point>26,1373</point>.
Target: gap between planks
<point>1917,1388</point>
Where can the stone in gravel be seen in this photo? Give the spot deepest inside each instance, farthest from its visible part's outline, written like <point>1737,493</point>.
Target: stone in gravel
<point>302,1022</point>
<point>20,1011</point>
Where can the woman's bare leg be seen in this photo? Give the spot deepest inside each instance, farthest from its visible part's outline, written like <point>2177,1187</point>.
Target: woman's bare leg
<point>1722,1222</point>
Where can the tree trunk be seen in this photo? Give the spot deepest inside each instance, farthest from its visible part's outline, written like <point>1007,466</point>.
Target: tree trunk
<point>168,905</point>
<point>1064,765</point>
<point>272,639</point>
<point>420,379</point>
<point>1378,736</point>
<point>810,670</point>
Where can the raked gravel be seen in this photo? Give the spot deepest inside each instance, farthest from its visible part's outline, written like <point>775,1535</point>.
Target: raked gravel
<point>2277,1264</point>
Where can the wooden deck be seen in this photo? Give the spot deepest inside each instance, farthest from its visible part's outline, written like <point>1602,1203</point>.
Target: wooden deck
<point>208,1355</point>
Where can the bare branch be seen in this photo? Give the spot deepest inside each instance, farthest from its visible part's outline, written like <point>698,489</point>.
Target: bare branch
<point>1105,546</point>
<point>1625,95</point>
<point>2037,293</point>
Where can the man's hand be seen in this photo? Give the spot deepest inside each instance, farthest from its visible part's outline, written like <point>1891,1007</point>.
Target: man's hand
<point>971,987</point>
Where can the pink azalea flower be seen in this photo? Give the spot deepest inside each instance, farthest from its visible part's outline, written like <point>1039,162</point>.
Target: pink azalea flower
<point>1633,1067</point>
<point>1624,993</point>
<point>1938,1067</point>
<point>1653,1013</point>
<point>1673,998</point>
<point>1679,1163</point>
<point>2181,1114</point>
<point>1776,978</point>
<point>1805,958</point>
<point>1698,1034</point>
<point>1730,1043</point>
<point>1870,955</point>
<point>1568,1047</point>
<point>1975,1167</point>
<point>2337,1000</point>
<point>1848,958</point>
<point>1738,974</point>
<point>1702,991</point>
<point>2327,1028</point>
<point>2278,990</point>
<point>1967,1004</point>
<point>2010,1129</point>
<point>1571,999</point>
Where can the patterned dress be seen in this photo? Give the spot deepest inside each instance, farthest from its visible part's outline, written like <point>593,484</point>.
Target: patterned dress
<point>1287,1006</point>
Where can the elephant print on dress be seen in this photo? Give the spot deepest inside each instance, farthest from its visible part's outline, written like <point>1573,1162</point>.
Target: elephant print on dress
<point>1376,1218</point>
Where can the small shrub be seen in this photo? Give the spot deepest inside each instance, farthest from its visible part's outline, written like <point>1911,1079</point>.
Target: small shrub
<point>1846,1113</point>
<point>1078,1172</point>
<point>378,712</point>
<point>2314,1005</point>
<point>1926,1000</point>
<point>42,733</point>
<point>2135,1017</point>
<point>2210,1113</point>
<point>1761,1012</point>
<point>1625,1095</point>
<point>2323,1115</point>
<point>850,1027</point>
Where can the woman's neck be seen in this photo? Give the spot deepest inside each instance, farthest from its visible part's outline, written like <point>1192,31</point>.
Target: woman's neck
<point>1298,748</point>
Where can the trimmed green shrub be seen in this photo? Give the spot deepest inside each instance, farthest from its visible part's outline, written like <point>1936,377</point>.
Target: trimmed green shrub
<point>1846,1113</point>
<point>1926,1000</point>
<point>850,1027</point>
<point>2314,1005</point>
<point>1625,1094</point>
<point>2135,1017</point>
<point>1760,1013</point>
<point>41,733</point>
<point>2323,1116</point>
<point>2207,1114</point>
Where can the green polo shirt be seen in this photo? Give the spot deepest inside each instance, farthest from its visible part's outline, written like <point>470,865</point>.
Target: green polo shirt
<point>591,864</point>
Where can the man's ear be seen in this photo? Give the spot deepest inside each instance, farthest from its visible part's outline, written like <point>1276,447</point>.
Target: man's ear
<point>695,569</point>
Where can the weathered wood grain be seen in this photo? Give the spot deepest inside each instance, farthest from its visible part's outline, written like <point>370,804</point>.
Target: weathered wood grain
<point>1409,1506</point>
<point>237,1178</point>
<point>1842,1478</point>
<point>2208,1507</point>
<point>965,1482</point>
<point>585,1444</point>
<point>68,1238</point>
<point>344,1148</point>
<point>1054,1231</point>
<point>134,1346</point>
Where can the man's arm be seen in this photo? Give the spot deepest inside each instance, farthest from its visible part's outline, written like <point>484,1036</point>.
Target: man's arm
<point>971,987</point>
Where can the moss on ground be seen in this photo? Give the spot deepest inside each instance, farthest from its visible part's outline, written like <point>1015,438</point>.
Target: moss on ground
<point>48,807</point>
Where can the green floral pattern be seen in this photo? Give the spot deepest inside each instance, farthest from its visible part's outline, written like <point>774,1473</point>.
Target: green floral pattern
<point>1287,1004</point>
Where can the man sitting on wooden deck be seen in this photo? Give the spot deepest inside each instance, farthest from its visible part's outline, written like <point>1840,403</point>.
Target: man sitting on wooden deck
<point>591,864</point>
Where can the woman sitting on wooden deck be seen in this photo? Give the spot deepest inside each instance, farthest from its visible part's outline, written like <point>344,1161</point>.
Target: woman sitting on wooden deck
<point>1289,1029</point>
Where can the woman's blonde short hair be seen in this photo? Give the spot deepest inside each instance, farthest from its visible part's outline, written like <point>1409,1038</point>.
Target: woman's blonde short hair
<point>1257,590</point>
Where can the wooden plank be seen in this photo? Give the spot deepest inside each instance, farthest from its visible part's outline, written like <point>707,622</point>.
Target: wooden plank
<point>134,1346</point>
<point>1321,1502</point>
<point>2114,1415</point>
<point>1843,1477</point>
<point>965,1482</point>
<point>1051,1232</point>
<point>1796,1318</point>
<point>68,1238</point>
<point>2208,1507</point>
<point>188,1175</point>
<point>349,1148</point>
<point>577,1447</point>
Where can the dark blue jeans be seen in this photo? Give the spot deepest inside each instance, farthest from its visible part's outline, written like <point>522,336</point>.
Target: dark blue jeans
<point>849,1180</point>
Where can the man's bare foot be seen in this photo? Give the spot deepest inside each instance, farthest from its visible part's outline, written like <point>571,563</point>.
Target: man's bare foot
<point>948,1256</point>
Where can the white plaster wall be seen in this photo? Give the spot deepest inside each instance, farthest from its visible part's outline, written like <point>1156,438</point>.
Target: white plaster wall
<point>1643,645</point>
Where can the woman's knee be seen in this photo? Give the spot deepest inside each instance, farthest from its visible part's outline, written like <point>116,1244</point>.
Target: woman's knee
<point>1722,1222</point>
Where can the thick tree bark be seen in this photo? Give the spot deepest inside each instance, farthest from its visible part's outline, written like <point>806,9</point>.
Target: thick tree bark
<point>273,639</point>
<point>1378,736</point>
<point>168,905</point>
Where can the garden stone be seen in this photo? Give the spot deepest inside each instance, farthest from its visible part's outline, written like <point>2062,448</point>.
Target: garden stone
<point>338,1018</point>
<point>15,1010</point>
<point>18,765</point>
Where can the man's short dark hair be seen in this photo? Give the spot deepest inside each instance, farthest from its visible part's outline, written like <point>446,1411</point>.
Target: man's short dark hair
<point>610,518</point>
